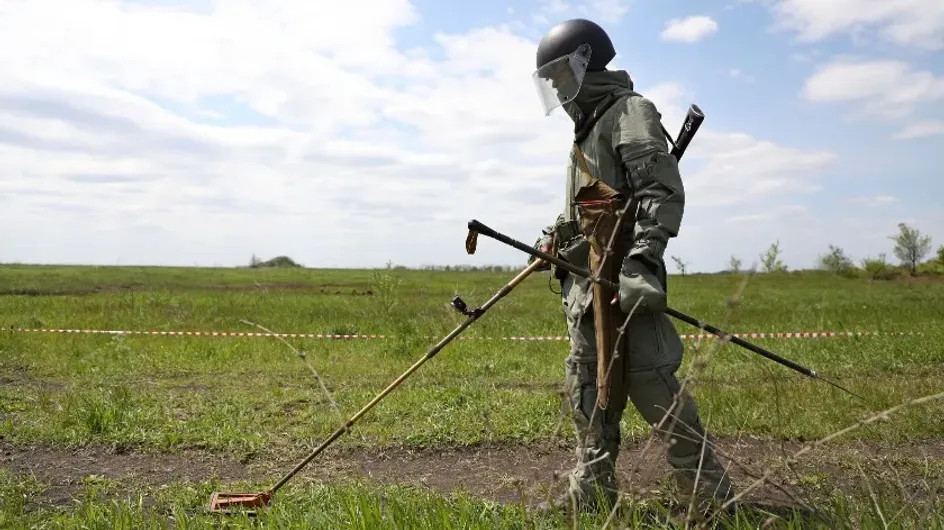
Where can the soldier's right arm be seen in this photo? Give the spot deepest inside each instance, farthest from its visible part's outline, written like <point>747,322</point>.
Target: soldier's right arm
<point>654,177</point>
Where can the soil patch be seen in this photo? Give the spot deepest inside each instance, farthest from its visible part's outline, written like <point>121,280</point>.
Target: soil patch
<point>504,472</point>
<point>21,376</point>
<point>63,471</point>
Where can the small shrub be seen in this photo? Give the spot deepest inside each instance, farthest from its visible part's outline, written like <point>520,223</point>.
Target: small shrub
<point>878,269</point>
<point>931,268</point>
<point>106,412</point>
<point>278,262</point>
<point>837,262</point>
<point>771,259</point>
<point>386,288</point>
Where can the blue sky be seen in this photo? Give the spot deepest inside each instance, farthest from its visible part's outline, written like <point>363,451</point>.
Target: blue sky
<point>200,133</point>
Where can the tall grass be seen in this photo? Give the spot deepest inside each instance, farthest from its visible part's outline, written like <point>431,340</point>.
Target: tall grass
<point>273,398</point>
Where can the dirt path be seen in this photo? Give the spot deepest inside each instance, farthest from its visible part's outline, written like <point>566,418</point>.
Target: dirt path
<point>505,473</point>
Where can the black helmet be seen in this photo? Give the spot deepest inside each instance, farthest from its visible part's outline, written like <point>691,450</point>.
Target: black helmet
<point>566,53</point>
<point>567,36</point>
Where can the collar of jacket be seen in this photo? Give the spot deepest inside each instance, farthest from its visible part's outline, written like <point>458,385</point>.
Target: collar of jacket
<point>598,92</point>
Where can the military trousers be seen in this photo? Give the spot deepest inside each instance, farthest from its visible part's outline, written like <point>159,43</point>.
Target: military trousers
<point>653,353</point>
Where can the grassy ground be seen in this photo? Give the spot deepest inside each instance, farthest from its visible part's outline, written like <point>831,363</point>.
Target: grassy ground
<point>254,403</point>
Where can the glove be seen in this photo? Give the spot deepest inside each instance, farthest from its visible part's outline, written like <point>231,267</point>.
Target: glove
<point>637,280</point>
<point>545,243</point>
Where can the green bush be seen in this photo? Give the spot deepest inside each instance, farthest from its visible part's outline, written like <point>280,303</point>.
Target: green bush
<point>276,262</point>
<point>878,269</point>
<point>931,268</point>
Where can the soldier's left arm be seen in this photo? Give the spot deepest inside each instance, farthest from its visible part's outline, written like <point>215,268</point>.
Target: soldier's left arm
<point>546,242</point>
<point>654,177</point>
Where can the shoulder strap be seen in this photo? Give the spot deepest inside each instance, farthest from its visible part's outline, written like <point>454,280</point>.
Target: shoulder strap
<point>582,162</point>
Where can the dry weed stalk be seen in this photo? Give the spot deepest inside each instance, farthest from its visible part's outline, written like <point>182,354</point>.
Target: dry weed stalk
<point>868,485</point>
<point>708,442</point>
<point>314,372</point>
<point>881,416</point>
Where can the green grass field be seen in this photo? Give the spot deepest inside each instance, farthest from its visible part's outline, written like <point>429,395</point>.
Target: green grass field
<point>106,431</point>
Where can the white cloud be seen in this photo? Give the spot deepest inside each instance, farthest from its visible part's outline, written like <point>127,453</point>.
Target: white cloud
<point>774,214</point>
<point>913,23</point>
<point>737,73</point>
<point>889,89</point>
<point>875,200</point>
<point>603,12</point>
<point>610,10</point>
<point>555,6</point>
<point>332,154</point>
<point>921,130</point>
<point>688,30</point>
<point>738,169</point>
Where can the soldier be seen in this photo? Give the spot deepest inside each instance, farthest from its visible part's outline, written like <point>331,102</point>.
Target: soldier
<point>620,152</point>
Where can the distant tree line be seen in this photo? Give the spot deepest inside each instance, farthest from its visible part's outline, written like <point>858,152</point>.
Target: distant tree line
<point>255,262</point>
<point>911,247</point>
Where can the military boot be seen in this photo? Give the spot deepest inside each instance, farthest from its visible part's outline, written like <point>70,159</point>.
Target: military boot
<point>568,502</point>
<point>708,488</point>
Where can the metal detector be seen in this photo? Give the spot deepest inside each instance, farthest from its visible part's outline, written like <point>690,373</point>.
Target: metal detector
<point>229,502</point>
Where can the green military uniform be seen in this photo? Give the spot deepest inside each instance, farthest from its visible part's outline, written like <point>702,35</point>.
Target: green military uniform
<point>625,148</point>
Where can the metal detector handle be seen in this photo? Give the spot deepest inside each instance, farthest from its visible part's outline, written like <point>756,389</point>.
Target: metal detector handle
<point>477,226</point>
<point>740,342</point>
<point>486,231</point>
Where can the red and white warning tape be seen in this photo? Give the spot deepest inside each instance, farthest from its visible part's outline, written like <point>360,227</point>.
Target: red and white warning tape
<point>795,335</point>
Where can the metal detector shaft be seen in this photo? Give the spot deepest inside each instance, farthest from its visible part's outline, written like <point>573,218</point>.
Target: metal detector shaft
<point>486,231</point>
<point>473,316</point>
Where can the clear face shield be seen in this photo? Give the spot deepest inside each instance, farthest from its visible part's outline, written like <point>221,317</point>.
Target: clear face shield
<point>558,81</point>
